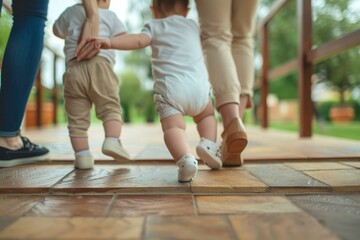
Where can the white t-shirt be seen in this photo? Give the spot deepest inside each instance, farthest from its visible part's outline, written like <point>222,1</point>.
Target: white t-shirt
<point>179,70</point>
<point>69,26</point>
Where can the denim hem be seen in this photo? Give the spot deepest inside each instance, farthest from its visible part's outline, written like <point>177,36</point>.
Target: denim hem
<point>9,134</point>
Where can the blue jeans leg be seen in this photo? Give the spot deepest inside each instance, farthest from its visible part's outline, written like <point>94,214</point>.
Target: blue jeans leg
<point>21,62</point>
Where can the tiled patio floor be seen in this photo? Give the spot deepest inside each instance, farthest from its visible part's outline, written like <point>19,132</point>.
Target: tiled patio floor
<point>289,188</point>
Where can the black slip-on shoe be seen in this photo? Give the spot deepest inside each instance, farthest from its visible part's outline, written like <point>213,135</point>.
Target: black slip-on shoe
<point>29,153</point>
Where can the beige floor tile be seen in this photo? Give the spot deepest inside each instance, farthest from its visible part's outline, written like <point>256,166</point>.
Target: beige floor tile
<point>124,178</point>
<point>311,166</point>
<point>197,227</point>
<point>283,226</point>
<point>339,180</point>
<point>204,167</point>
<point>32,178</point>
<point>74,228</point>
<point>264,151</point>
<point>142,205</point>
<point>244,204</point>
<point>7,221</point>
<point>17,205</point>
<point>156,151</point>
<point>338,212</point>
<point>145,141</point>
<point>226,181</point>
<point>355,164</point>
<point>282,178</point>
<point>71,206</point>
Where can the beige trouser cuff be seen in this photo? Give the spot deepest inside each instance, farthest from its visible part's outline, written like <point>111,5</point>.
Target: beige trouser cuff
<point>227,97</point>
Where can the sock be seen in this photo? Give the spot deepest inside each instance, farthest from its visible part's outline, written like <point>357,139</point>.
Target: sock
<point>113,139</point>
<point>83,153</point>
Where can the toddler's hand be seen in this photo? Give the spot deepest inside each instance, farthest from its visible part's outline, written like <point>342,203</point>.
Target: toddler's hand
<point>98,44</point>
<point>102,43</point>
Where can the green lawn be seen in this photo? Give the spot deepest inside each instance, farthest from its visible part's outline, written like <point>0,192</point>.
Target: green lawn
<point>349,130</point>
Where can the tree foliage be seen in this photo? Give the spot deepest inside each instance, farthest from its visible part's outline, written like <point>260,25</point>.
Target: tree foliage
<point>282,48</point>
<point>283,41</point>
<point>5,26</point>
<point>130,93</point>
<point>134,96</point>
<point>331,19</point>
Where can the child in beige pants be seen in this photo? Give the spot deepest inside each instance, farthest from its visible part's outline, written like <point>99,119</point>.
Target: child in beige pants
<point>91,82</point>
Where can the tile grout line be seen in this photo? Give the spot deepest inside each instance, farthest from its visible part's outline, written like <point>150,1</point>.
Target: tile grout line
<point>268,187</point>
<point>329,186</point>
<point>144,225</point>
<point>230,227</point>
<point>51,188</point>
<point>42,200</point>
<point>195,206</point>
<point>110,206</point>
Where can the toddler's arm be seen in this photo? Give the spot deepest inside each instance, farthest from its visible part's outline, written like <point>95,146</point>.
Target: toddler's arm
<point>57,33</point>
<point>124,42</point>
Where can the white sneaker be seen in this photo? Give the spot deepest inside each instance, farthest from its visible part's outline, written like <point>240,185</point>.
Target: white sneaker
<point>114,149</point>
<point>188,167</point>
<point>84,162</point>
<point>209,153</point>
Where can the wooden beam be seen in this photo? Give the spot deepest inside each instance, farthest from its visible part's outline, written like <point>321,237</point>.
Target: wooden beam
<point>55,91</point>
<point>334,47</point>
<point>264,76</point>
<point>275,8</point>
<point>283,69</point>
<point>305,67</point>
<point>39,94</point>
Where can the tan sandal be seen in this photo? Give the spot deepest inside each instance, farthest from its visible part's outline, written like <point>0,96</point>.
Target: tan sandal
<point>234,142</point>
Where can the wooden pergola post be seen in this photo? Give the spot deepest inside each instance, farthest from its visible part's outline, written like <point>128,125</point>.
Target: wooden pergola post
<point>39,94</point>
<point>305,67</point>
<point>55,91</point>
<point>264,75</point>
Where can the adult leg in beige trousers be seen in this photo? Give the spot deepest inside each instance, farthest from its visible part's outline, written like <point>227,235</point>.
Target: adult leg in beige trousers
<point>227,30</point>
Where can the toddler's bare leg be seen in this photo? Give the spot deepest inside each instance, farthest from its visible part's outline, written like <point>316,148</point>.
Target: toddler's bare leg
<point>174,136</point>
<point>112,128</point>
<point>206,123</point>
<point>207,149</point>
<point>79,143</point>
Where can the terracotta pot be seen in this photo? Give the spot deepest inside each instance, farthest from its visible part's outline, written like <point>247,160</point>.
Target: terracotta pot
<point>341,114</point>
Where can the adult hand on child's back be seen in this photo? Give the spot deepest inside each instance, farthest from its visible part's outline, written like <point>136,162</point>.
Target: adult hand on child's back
<point>88,51</point>
<point>90,29</point>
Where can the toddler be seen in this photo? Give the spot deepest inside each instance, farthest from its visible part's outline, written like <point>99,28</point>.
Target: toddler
<point>181,82</point>
<point>91,82</point>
